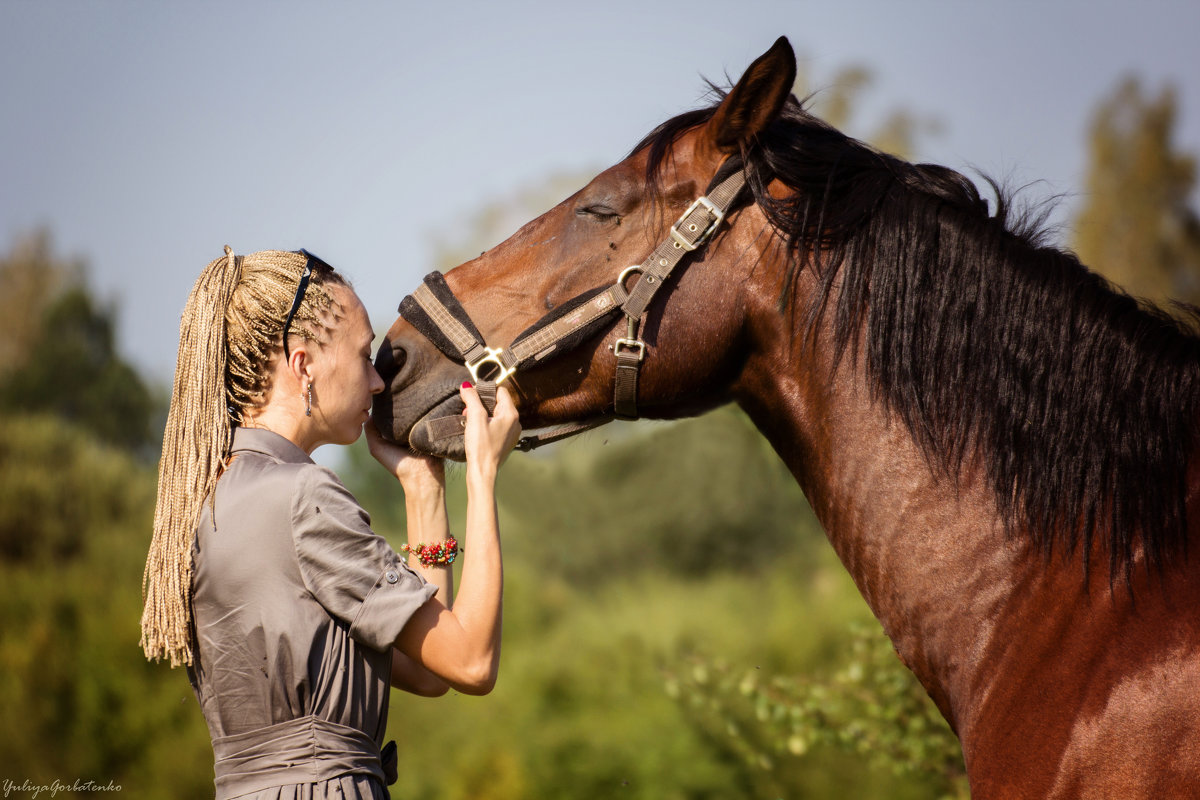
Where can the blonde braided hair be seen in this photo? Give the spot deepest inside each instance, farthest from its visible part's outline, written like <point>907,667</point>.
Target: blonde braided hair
<point>230,333</point>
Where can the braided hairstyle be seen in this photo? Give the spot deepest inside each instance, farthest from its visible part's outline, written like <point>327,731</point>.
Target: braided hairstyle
<point>230,333</point>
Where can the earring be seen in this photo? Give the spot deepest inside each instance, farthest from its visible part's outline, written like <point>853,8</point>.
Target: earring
<point>308,404</point>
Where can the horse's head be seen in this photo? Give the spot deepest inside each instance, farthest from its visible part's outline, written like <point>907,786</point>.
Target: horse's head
<point>692,330</point>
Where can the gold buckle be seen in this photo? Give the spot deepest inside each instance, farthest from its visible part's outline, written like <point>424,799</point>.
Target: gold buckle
<point>633,345</point>
<point>492,357</point>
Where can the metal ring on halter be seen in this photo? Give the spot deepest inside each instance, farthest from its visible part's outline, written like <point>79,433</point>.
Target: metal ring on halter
<point>638,268</point>
<point>492,357</point>
<point>630,341</point>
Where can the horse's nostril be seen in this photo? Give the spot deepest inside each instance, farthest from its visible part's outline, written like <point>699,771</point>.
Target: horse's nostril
<point>390,360</point>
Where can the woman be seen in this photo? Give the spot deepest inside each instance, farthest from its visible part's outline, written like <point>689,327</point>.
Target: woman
<point>264,576</point>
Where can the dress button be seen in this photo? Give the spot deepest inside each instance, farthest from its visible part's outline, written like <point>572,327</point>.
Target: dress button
<point>392,576</point>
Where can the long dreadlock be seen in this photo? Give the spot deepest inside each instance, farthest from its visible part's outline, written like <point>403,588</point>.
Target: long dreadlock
<point>231,330</point>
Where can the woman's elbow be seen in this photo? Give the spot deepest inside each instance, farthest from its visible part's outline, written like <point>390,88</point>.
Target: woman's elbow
<point>477,679</point>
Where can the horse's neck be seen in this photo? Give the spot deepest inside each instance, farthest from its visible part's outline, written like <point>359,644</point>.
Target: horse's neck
<point>927,552</point>
<point>1044,675</point>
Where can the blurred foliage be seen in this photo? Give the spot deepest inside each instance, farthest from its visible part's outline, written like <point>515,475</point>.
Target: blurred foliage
<point>55,486</point>
<point>1136,226</point>
<point>62,356</point>
<point>699,496</point>
<point>580,710</point>
<point>79,701</point>
<point>872,707</point>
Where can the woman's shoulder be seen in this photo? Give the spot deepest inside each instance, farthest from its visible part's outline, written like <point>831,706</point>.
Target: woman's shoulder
<point>257,475</point>
<point>267,506</point>
<point>271,475</point>
<point>318,489</point>
<point>296,484</point>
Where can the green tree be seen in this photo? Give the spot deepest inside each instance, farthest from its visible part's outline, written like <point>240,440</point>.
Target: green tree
<point>1136,226</point>
<point>79,700</point>
<point>61,357</point>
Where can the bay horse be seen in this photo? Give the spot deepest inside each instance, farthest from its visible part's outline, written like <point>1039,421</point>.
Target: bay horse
<point>999,445</point>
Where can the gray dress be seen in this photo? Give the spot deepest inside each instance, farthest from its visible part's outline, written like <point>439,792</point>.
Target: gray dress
<point>296,603</point>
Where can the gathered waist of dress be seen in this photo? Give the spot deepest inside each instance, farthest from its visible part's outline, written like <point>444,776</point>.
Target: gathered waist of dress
<point>304,750</point>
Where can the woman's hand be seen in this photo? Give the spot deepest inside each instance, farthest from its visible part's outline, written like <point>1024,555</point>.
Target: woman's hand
<point>488,440</point>
<point>415,472</point>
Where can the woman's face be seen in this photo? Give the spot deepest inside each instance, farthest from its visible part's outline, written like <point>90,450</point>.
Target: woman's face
<point>343,375</point>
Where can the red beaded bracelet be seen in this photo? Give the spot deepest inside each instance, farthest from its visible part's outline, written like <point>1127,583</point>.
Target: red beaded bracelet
<point>441,554</point>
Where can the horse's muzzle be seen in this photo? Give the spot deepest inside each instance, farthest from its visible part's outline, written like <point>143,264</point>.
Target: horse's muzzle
<point>418,391</point>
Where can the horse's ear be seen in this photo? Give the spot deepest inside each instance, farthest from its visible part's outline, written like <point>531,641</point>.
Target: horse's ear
<point>756,99</point>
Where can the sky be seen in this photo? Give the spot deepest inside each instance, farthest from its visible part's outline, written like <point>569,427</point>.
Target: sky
<point>144,136</point>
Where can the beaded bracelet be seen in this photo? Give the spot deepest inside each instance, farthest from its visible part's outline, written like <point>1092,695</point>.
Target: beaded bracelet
<point>441,554</point>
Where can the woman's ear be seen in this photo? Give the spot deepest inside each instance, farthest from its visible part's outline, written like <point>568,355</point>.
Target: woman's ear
<point>756,99</point>
<point>300,363</point>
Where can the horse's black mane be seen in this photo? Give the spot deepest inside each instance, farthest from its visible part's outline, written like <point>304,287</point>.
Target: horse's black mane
<point>1082,402</point>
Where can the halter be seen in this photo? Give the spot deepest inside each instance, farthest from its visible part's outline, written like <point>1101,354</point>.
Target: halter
<point>434,311</point>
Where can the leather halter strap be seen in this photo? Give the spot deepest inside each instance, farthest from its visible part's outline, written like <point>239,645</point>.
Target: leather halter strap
<point>691,232</point>
<point>434,311</point>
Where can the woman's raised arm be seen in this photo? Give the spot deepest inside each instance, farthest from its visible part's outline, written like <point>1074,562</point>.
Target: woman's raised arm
<point>461,643</point>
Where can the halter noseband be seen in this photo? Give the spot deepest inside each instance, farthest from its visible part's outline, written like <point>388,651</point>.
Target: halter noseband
<point>434,311</point>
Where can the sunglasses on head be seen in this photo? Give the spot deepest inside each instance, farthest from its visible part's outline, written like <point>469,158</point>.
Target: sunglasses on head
<point>305,276</point>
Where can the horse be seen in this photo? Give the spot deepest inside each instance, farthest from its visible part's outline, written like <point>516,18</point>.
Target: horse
<point>999,444</point>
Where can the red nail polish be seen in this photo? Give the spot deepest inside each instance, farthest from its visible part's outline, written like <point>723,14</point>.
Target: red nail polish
<point>466,385</point>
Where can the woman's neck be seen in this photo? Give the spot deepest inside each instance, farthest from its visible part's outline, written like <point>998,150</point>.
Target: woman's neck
<point>287,422</point>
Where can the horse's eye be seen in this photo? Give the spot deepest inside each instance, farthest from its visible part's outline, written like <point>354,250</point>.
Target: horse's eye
<point>599,212</point>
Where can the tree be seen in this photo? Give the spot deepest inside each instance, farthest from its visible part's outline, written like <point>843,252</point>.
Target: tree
<point>1136,226</point>
<point>60,351</point>
<point>30,277</point>
<point>79,700</point>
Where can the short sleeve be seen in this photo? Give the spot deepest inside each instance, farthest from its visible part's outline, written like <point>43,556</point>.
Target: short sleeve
<point>351,570</point>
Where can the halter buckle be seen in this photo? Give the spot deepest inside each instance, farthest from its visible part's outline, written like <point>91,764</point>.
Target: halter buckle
<point>717,217</point>
<point>492,357</point>
<point>632,345</point>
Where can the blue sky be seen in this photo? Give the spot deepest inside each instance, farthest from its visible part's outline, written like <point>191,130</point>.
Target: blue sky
<point>146,136</point>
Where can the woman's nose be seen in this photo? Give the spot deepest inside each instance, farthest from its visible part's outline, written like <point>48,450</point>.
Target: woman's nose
<point>377,384</point>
